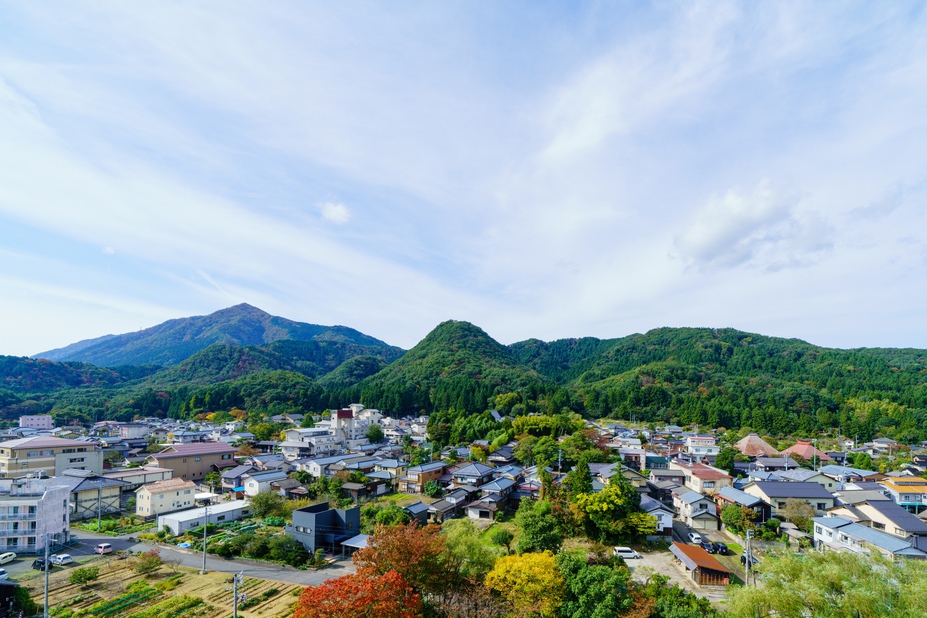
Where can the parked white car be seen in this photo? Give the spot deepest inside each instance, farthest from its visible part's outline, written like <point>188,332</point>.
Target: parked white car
<point>626,553</point>
<point>695,537</point>
<point>3,575</point>
<point>61,559</point>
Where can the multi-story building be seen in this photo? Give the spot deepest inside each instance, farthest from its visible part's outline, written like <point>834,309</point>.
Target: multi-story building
<point>165,497</point>
<point>703,479</point>
<point>40,422</point>
<point>192,462</point>
<point>30,508</point>
<point>417,476</point>
<point>91,494</point>
<point>907,492</point>
<point>319,526</point>
<point>700,446</point>
<point>47,455</point>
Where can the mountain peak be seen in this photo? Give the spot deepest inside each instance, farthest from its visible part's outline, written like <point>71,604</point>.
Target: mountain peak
<point>175,340</point>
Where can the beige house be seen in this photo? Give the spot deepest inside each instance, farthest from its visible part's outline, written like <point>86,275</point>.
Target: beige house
<point>703,479</point>
<point>165,497</point>
<point>49,456</point>
<point>192,462</point>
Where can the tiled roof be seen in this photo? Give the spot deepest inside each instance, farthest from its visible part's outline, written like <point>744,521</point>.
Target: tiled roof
<point>190,450</point>
<point>740,497</point>
<point>44,442</point>
<point>754,446</point>
<point>167,485</point>
<point>799,489</point>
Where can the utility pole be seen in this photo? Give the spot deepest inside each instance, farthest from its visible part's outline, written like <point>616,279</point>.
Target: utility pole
<point>749,557</point>
<point>205,529</point>
<point>45,606</point>
<point>99,504</point>
<point>236,582</point>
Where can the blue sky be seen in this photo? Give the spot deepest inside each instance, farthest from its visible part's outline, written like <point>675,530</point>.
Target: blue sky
<point>540,169</point>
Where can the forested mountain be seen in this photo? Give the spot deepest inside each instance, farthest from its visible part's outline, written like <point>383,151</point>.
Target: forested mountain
<point>457,365</point>
<point>713,377</point>
<point>175,340</point>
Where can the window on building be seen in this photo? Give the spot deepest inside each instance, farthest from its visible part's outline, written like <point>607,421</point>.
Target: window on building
<point>817,529</point>
<point>821,506</point>
<point>226,456</point>
<point>196,458</point>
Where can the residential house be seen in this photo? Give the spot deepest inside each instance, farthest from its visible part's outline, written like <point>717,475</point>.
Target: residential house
<point>502,487</point>
<point>418,511</point>
<point>131,431</point>
<point>319,526</point>
<point>672,475</point>
<point>842,475</point>
<point>233,479</point>
<point>417,476</point>
<point>485,508</point>
<point>359,491</point>
<point>804,476</point>
<point>885,516</point>
<point>503,456</point>
<point>656,462</point>
<point>30,508</point>
<point>839,534</point>
<point>728,495</point>
<point>702,446</point>
<point>662,513</point>
<point>773,464</point>
<point>180,522</point>
<point>703,478</point>
<point>910,493</point>
<point>192,462</point>
<point>696,510</point>
<point>42,455</point>
<point>256,482</point>
<point>168,496</point>
<point>91,494</point>
<point>451,505</point>
<point>473,473</point>
<point>776,493</point>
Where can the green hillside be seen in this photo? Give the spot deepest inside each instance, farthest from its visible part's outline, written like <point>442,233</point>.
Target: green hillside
<point>457,365</point>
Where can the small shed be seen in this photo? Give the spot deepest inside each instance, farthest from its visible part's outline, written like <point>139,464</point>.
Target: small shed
<point>703,568</point>
<point>353,544</point>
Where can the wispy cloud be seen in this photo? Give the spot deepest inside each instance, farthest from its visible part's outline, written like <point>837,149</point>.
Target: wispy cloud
<point>336,212</point>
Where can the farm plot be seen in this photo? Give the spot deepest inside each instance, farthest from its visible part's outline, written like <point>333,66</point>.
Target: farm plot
<point>172,592</point>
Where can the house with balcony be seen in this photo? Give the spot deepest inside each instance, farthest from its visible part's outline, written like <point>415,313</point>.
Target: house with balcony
<point>701,446</point>
<point>417,476</point>
<point>907,492</point>
<point>696,510</point>
<point>48,456</point>
<point>192,462</point>
<point>233,479</point>
<point>838,534</point>
<point>703,478</point>
<point>474,473</point>
<point>165,497</point>
<point>777,493</point>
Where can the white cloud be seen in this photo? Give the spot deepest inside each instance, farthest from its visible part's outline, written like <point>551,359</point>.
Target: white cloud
<point>760,228</point>
<point>109,251</point>
<point>336,212</point>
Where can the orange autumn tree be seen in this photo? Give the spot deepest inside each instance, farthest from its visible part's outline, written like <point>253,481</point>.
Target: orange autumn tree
<point>417,553</point>
<point>359,596</point>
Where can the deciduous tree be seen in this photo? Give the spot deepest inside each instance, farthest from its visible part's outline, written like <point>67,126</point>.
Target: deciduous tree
<point>530,582</point>
<point>416,553</point>
<point>360,596</point>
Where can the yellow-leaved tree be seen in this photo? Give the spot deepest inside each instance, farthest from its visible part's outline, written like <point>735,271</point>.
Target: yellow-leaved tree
<point>530,582</point>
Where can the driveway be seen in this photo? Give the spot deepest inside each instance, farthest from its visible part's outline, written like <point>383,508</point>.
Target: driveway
<point>83,553</point>
<point>663,562</point>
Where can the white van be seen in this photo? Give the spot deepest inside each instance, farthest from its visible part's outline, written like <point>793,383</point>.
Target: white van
<point>61,559</point>
<point>626,553</point>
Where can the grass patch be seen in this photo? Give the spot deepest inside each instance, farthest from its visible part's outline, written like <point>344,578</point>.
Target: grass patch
<point>735,548</point>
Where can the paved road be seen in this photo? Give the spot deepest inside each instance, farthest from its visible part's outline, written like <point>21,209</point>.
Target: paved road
<point>84,552</point>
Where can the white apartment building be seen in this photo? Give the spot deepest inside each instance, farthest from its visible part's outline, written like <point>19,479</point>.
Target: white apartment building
<point>702,446</point>
<point>30,508</point>
<point>40,422</point>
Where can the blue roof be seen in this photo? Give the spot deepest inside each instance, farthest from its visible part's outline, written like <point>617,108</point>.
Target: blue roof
<point>692,496</point>
<point>740,497</point>
<point>835,470</point>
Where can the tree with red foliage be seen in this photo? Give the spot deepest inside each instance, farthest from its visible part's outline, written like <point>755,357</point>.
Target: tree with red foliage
<point>360,596</point>
<point>417,553</point>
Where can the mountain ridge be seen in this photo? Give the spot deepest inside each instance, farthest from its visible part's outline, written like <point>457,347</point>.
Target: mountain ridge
<point>177,339</point>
